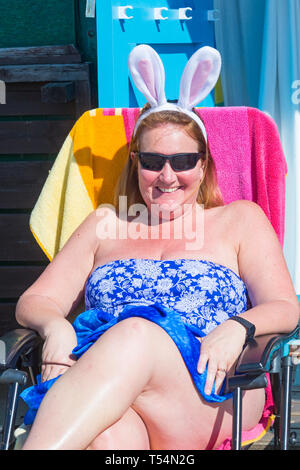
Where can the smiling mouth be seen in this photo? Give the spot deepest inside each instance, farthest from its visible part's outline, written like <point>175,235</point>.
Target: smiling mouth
<point>168,190</point>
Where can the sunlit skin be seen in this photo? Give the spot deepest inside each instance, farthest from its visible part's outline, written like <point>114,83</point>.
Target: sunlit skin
<point>168,140</point>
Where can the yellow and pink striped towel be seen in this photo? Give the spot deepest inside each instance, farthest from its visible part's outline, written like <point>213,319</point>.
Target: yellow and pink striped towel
<point>244,143</point>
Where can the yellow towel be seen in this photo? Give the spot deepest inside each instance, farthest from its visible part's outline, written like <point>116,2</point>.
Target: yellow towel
<point>96,146</point>
<point>219,98</point>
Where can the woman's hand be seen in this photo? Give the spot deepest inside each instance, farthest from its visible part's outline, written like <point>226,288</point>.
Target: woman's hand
<point>60,340</point>
<point>219,351</point>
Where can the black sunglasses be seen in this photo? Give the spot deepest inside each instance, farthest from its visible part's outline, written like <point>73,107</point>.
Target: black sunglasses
<point>178,161</point>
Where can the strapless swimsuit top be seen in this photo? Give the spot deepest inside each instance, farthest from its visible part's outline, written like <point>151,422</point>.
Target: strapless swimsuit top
<point>204,293</point>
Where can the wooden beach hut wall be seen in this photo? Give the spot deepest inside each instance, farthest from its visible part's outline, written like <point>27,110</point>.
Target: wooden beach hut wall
<point>47,65</point>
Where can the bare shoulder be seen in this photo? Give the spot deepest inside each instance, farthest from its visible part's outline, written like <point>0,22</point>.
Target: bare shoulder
<point>238,217</point>
<point>245,207</point>
<point>260,257</point>
<point>87,226</point>
<point>64,278</point>
<point>253,230</point>
<point>87,230</point>
<point>247,215</point>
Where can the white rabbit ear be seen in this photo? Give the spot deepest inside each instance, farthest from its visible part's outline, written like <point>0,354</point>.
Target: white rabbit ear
<point>199,77</point>
<point>148,74</point>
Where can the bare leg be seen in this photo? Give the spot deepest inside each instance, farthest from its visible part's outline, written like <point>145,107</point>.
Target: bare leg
<point>134,364</point>
<point>95,392</point>
<point>129,433</point>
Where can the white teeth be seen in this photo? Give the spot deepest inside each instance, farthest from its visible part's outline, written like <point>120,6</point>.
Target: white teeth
<point>168,190</point>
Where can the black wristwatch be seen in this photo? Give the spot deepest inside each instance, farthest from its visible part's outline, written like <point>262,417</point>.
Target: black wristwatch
<point>250,328</point>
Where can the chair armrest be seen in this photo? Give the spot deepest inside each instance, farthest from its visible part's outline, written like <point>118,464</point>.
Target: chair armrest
<point>15,344</point>
<point>259,355</point>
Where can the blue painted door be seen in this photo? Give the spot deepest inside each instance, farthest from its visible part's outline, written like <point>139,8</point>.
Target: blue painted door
<point>174,28</point>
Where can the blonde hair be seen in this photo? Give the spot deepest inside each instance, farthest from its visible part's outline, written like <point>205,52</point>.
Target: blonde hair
<point>209,193</point>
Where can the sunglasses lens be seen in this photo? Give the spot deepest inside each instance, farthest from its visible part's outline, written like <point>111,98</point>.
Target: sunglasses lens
<point>151,162</point>
<point>178,162</point>
<point>184,162</point>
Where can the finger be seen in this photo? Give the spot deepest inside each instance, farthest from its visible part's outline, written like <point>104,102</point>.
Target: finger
<point>220,376</point>
<point>51,371</point>
<point>210,377</point>
<point>45,372</point>
<point>202,362</point>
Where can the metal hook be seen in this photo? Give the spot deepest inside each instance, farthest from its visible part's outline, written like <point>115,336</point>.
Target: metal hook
<point>213,15</point>
<point>182,13</point>
<point>122,14</point>
<point>158,15</point>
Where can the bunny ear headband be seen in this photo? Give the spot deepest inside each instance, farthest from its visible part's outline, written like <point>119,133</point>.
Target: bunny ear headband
<point>199,77</point>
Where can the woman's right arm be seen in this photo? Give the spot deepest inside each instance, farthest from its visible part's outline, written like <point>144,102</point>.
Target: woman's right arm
<point>43,315</point>
<point>45,305</point>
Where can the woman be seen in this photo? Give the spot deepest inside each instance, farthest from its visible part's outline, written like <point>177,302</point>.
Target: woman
<point>134,388</point>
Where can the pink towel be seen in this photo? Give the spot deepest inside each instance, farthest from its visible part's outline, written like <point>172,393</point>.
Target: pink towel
<point>247,151</point>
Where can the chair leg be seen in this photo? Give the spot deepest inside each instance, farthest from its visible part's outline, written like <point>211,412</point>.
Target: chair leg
<point>285,406</point>
<point>276,392</point>
<point>237,419</point>
<point>14,378</point>
<point>13,394</point>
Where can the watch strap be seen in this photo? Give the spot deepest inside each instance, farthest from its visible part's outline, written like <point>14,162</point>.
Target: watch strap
<point>250,328</point>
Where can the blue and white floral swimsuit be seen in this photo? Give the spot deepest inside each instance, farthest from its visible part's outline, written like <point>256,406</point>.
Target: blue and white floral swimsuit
<point>203,293</point>
<point>187,298</point>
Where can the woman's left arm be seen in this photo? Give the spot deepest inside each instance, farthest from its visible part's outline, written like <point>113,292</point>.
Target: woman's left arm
<point>275,307</point>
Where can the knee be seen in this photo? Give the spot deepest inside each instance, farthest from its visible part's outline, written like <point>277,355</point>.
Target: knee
<point>104,441</point>
<point>129,433</point>
<point>107,440</point>
<point>135,329</point>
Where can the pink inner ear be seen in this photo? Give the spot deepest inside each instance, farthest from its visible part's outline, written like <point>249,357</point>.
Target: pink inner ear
<point>200,77</point>
<point>146,70</point>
